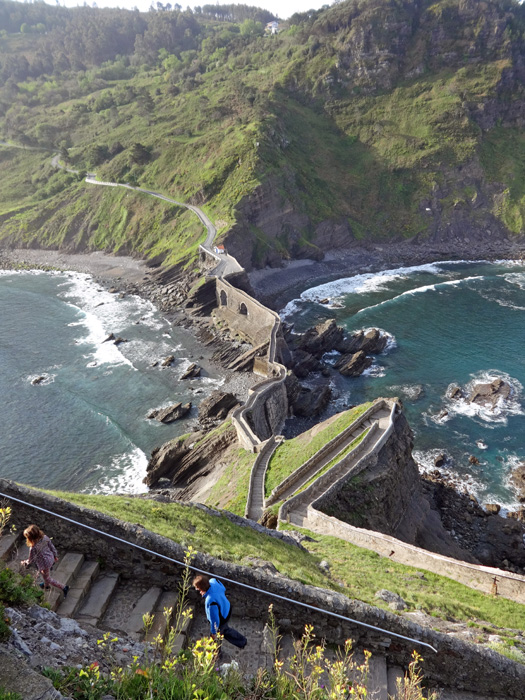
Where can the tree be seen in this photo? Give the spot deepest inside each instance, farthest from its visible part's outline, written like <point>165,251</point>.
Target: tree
<point>139,154</point>
<point>251,28</point>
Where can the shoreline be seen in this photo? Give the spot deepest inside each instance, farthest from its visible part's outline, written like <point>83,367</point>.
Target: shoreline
<point>131,276</point>
<point>275,287</point>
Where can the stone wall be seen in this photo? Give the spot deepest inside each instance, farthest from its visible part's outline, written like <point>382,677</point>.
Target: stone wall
<point>243,313</point>
<point>467,666</point>
<point>267,407</point>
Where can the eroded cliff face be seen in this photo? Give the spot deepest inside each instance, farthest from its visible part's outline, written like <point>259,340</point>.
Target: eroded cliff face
<point>388,497</point>
<point>458,69</point>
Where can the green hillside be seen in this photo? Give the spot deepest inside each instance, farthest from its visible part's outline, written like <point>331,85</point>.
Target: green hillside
<point>383,119</point>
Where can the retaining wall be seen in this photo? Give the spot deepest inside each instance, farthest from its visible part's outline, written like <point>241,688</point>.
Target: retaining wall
<point>466,666</point>
<point>325,450</point>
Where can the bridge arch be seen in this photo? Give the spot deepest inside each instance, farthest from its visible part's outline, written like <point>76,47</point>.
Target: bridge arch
<point>223,298</point>
<point>243,309</point>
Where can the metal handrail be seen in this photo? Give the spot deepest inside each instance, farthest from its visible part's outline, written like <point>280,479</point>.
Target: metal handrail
<point>223,578</point>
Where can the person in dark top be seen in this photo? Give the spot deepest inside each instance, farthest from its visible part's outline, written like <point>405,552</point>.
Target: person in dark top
<point>218,609</point>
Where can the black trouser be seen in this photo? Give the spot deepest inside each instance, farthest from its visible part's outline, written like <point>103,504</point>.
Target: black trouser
<point>229,634</point>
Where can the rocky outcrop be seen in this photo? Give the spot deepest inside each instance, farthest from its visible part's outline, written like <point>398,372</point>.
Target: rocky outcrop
<point>304,363</point>
<point>371,342</point>
<point>392,480</point>
<point>193,371</point>
<point>517,480</point>
<point>304,401</point>
<point>170,413</point>
<point>490,393</point>
<point>216,407</point>
<point>164,461</point>
<point>352,365</point>
<point>492,539</point>
<point>322,338</point>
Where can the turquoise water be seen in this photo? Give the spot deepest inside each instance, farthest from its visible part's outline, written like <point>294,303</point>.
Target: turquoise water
<point>84,427</point>
<point>449,323</point>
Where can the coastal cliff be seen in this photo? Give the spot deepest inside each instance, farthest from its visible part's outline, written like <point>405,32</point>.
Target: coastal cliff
<point>359,124</point>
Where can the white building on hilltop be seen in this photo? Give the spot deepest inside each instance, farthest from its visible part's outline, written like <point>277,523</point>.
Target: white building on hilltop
<point>272,27</point>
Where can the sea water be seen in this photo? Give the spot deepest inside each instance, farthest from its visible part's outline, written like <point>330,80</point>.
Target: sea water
<point>448,323</point>
<point>83,427</point>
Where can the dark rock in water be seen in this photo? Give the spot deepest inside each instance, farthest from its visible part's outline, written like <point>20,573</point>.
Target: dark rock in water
<point>489,394</point>
<point>171,413</point>
<point>322,338</point>
<point>217,406</point>
<point>193,371</point>
<point>154,364</point>
<point>352,365</point>
<point>119,340</point>
<point>517,480</point>
<point>473,460</point>
<point>38,380</point>
<point>303,363</point>
<point>168,361</point>
<point>455,392</point>
<point>440,460</point>
<point>372,342</point>
<point>325,301</point>
<point>111,336</point>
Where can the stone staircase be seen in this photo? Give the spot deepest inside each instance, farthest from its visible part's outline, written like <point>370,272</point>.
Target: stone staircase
<point>99,597</point>
<point>103,599</point>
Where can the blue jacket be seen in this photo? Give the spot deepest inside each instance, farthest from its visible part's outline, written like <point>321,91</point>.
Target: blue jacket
<point>216,604</point>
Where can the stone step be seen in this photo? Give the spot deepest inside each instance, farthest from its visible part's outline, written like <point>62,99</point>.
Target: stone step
<point>146,605</point>
<point>98,599</point>
<point>64,572</point>
<point>79,588</point>
<point>161,619</point>
<point>8,543</point>
<point>20,554</point>
<point>377,679</point>
<point>393,674</point>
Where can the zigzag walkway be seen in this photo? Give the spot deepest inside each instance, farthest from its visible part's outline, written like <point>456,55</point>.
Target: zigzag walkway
<point>375,428</point>
<point>256,497</point>
<point>380,419</point>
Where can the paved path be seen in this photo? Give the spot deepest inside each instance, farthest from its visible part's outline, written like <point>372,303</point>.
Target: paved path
<point>255,505</point>
<point>227,264</point>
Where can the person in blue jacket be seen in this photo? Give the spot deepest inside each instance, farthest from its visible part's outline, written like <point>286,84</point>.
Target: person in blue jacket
<point>218,609</point>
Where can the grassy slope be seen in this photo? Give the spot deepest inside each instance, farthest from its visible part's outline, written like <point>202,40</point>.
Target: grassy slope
<point>257,111</point>
<point>291,454</point>
<point>355,572</point>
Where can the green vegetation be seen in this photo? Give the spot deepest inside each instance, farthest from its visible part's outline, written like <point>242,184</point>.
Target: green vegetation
<point>230,491</point>
<point>335,460</point>
<point>357,573</point>
<point>203,107</point>
<point>291,454</point>
<point>363,573</point>
<point>192,674</point>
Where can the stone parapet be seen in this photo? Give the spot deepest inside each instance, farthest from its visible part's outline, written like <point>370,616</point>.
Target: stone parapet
<point>467,666</point>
